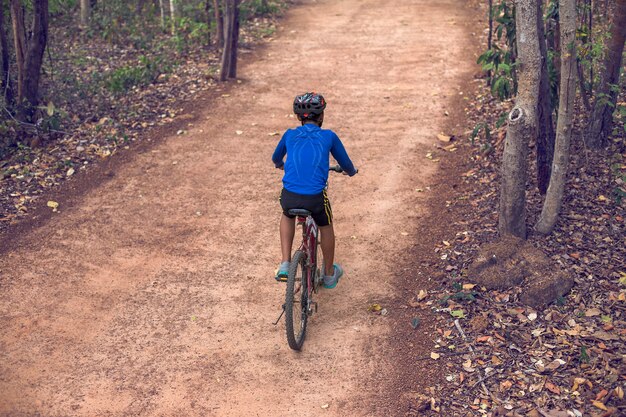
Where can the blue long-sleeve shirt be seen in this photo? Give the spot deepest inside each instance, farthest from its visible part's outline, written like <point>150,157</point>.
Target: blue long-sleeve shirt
<point>307,148</point>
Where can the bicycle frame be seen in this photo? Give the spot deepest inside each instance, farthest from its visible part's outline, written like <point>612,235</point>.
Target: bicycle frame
<point>310,234</point>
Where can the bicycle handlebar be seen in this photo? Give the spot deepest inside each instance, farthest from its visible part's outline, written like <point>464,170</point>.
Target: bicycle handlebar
<point>337,168</point>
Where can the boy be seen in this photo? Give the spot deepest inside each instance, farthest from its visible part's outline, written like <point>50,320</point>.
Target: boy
<point>304,183</point>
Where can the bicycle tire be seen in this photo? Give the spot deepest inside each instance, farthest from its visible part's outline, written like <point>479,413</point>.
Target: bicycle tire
<point>295,334</point>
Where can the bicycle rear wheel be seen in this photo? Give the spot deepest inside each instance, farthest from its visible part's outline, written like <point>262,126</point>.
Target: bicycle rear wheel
<point>296,301</point>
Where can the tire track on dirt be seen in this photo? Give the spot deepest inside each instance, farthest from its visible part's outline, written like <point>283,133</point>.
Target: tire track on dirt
<point>155,295</point>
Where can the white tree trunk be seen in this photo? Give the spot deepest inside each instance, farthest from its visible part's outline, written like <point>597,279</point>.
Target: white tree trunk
<point>522,126</point>
<point>85,11</point>
<point>567,95</point>
<point>174,14</point>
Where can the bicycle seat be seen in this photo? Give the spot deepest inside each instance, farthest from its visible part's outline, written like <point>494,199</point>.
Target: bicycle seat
<point>299,212</point>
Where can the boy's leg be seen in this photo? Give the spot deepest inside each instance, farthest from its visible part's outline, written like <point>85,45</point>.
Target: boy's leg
<point>287,232</point>
<point>328,248</point>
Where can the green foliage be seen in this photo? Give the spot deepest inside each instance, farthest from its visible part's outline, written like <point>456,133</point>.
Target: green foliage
<point>51,118</point>
<point>500,60</point>
<point>57,7</point>
<point>146,72</point>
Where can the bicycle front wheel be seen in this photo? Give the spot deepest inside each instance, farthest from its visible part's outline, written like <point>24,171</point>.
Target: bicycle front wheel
<point>296,301</point>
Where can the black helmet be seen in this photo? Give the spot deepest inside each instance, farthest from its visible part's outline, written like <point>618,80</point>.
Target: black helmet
<point>309,104</point>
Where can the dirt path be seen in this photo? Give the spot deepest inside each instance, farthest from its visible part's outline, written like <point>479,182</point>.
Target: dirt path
<point>154,295</point>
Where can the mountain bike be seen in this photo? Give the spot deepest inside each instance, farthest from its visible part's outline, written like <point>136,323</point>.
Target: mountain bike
<point>304,278</point>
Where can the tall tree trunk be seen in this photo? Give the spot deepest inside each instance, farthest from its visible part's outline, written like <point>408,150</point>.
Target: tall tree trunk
<point>5,85</point>
<point>522,126</point>
<point>85,11</point>
<point>490,37</point>
<point>229,14</point>
<point>162,7</point>
<point>34,56</point>
<point>567,95</point>
<point>545,129</point>
<point>19,41</point>
<point>599,127</point>
<point>207,10</point>
<point>174,15</point>
<point>219,23</point>
<point>232,71</point>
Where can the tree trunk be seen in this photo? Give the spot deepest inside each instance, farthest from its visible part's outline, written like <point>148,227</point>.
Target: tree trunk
<point>19,41</point>
<point>219,23</point>
<point>522,123</point>
<point>34,56</point>
<point>227,55</point>
<point>490,37</point>
<point>174,15</point>
<point>162,7</point>
<point>85,11</point>
<point>232,71</point>
<point>5,86</point>
<point>207,10</point>
<point>567,95</point>
<point>599,127</point>
<point>545,130</point>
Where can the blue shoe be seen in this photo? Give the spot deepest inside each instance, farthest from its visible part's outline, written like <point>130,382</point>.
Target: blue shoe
<point>331,282</point>
<point>282,272</point>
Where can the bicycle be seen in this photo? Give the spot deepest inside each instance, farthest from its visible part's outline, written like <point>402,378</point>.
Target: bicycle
<point>304,278</point>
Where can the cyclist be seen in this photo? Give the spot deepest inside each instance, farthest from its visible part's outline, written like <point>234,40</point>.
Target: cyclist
<point>304,183</point>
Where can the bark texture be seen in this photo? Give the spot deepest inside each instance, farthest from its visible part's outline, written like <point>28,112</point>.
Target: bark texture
<point>85,11</point>
<point>34,56</point>
<point>231,40</point>
<point>219,23</point>
<point>174,15</point>
<point>19,43</point>
<point>567,95</point>
<point>5,86</point>
<point>522,126</point>
<point>600,126</point>
<point>162,7</point>
<point>545,129</point>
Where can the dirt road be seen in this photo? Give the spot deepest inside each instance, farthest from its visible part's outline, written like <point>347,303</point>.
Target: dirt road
<point>154,296</point>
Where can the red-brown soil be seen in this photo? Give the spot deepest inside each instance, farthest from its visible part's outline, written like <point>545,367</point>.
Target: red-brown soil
<point>151,292</point>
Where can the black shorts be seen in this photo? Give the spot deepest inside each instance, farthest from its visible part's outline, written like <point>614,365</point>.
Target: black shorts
<point>317,204</point>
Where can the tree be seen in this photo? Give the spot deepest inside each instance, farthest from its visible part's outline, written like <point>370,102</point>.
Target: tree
<point>29,54</point>
<point>567,95</point>
<point>5,86</point>
<point>162,8</point>
<point>545,129</point>
<point>606,97</point>
<point>174,14</point>
<point>85,11</point>
<point>522,126</point>
<point>19,41</point>
<point>231,41</point>
<point>219,23</point>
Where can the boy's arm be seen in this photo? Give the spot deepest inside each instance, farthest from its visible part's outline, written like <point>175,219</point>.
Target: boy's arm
<point>339,153</point>
<point>279,153</point>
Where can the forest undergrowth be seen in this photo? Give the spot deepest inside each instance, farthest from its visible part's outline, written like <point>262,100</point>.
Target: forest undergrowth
<point>501,357</point>
<point>104,89</point>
